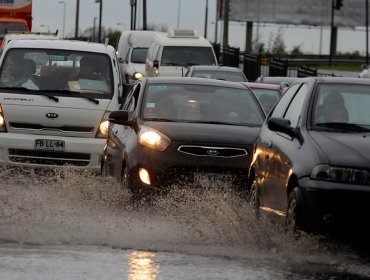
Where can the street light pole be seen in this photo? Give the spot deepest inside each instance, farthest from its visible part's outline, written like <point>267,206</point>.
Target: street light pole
<point>367,31</point>
<point>94,39</point>
<point>206,20</point>
<point>77,15</point>
<point>100,18</point>
<point>178,14</point>
<point>64,15</point>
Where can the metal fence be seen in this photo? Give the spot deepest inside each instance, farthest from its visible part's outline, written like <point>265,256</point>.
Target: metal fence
<point>255,66</point>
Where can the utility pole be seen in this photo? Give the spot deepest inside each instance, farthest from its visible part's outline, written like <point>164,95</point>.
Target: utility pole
<point>77,15</point>
<point>145,27</point>
<point>226,24</point>
<point>133,14</point>
<point>94,32</point>
<point>206,20</point>
<point>367,31</point>
<point>335,5</point>
<point>100,19</point>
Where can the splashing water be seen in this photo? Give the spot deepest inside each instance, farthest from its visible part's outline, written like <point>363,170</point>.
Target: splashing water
<point>80,208</point>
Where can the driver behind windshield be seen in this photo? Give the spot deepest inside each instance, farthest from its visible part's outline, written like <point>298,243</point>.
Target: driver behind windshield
<point>18,73</point>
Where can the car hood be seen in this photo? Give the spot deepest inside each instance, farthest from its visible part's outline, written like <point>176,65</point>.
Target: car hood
<point>34,114</point>
<point>135,67</point>
<point>344,149</point>
<point>207,133</point>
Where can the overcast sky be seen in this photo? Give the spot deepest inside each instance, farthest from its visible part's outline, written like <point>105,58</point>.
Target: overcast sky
<point>48,15</point>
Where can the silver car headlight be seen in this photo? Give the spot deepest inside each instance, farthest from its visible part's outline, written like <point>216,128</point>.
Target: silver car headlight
<point>154,139</point>
<point>340,174</point>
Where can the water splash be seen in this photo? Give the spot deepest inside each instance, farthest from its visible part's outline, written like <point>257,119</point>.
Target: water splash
<point>80,208</point>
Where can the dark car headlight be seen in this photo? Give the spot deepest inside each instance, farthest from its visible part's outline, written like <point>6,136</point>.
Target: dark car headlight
<point>340,174</point>
<point>154,139</point>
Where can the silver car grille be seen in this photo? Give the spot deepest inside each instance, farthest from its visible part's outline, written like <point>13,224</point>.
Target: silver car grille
<point>48,158</point>
<point>206,151</point>
<point>40,127</point>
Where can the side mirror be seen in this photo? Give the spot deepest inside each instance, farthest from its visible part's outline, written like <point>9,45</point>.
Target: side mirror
<point>121,117</point>
<point>156,64</point>
<point>281,125</point>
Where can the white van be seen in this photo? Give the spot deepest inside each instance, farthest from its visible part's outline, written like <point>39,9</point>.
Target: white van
<point>131,50</point>
<point>171,53</point>
<point>55,98</point>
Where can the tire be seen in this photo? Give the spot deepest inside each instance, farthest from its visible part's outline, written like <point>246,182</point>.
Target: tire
<point>254,200</point>
<point>294,220</point>
<point>104,169</point>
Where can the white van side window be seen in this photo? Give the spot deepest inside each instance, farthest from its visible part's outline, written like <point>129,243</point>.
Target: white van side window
<point>156,52</point>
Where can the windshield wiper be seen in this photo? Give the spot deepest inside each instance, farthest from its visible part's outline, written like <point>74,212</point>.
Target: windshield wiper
<point>159,120</point>
<point>33,91</point>
<point>344,126</point>
<point>217,122</point>
<point>73,93</point>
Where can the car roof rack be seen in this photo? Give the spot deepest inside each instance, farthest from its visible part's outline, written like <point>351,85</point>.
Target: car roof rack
<point>31,32</point>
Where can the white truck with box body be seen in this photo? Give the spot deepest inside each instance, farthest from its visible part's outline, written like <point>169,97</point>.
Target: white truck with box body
<point>170,54</point>
<point>55,98</point>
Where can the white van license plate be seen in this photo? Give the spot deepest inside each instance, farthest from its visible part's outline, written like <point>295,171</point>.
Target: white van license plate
<point>49,145</point>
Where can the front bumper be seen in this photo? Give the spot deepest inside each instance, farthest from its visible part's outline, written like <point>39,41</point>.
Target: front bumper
<point>80,153</point>
<point>173,167</point>
<point>335,203</point>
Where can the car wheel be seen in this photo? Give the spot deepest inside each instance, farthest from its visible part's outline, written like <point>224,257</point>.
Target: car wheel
<point>294,215</point>
<point>254,200</point>
<point>104,169</point>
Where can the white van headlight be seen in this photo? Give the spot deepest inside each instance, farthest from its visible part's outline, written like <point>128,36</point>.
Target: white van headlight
<point>103,126</point>
<point>138,75</point>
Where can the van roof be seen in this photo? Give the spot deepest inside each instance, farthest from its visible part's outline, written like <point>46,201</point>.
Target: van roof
<point>138,38</point>
<point>177,38</point>
<point>62,44</point>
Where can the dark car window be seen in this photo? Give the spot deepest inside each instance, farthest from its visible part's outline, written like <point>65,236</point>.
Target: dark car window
<point>202,103</point>
<point>281,106</point>
<point>295,108</point>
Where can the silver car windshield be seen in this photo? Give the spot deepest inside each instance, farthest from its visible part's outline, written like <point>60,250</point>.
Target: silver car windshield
<point>198,103</point>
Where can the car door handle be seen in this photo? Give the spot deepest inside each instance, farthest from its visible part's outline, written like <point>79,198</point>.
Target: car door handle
<point>269,144</point>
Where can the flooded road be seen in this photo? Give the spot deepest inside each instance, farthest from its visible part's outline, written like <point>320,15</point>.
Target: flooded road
<point>69,225</point>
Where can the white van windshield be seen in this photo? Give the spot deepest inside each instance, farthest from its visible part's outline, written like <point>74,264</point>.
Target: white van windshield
<point>57,70</point>
<point>187,56</point>
<point>138,55</point>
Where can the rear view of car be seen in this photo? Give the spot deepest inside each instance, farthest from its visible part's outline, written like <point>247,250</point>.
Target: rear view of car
<point>54,104</point>
<point>225,73</point>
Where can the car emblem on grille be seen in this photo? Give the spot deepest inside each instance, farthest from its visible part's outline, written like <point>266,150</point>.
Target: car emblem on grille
<point>52,115</point>
<point>213,152</point>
